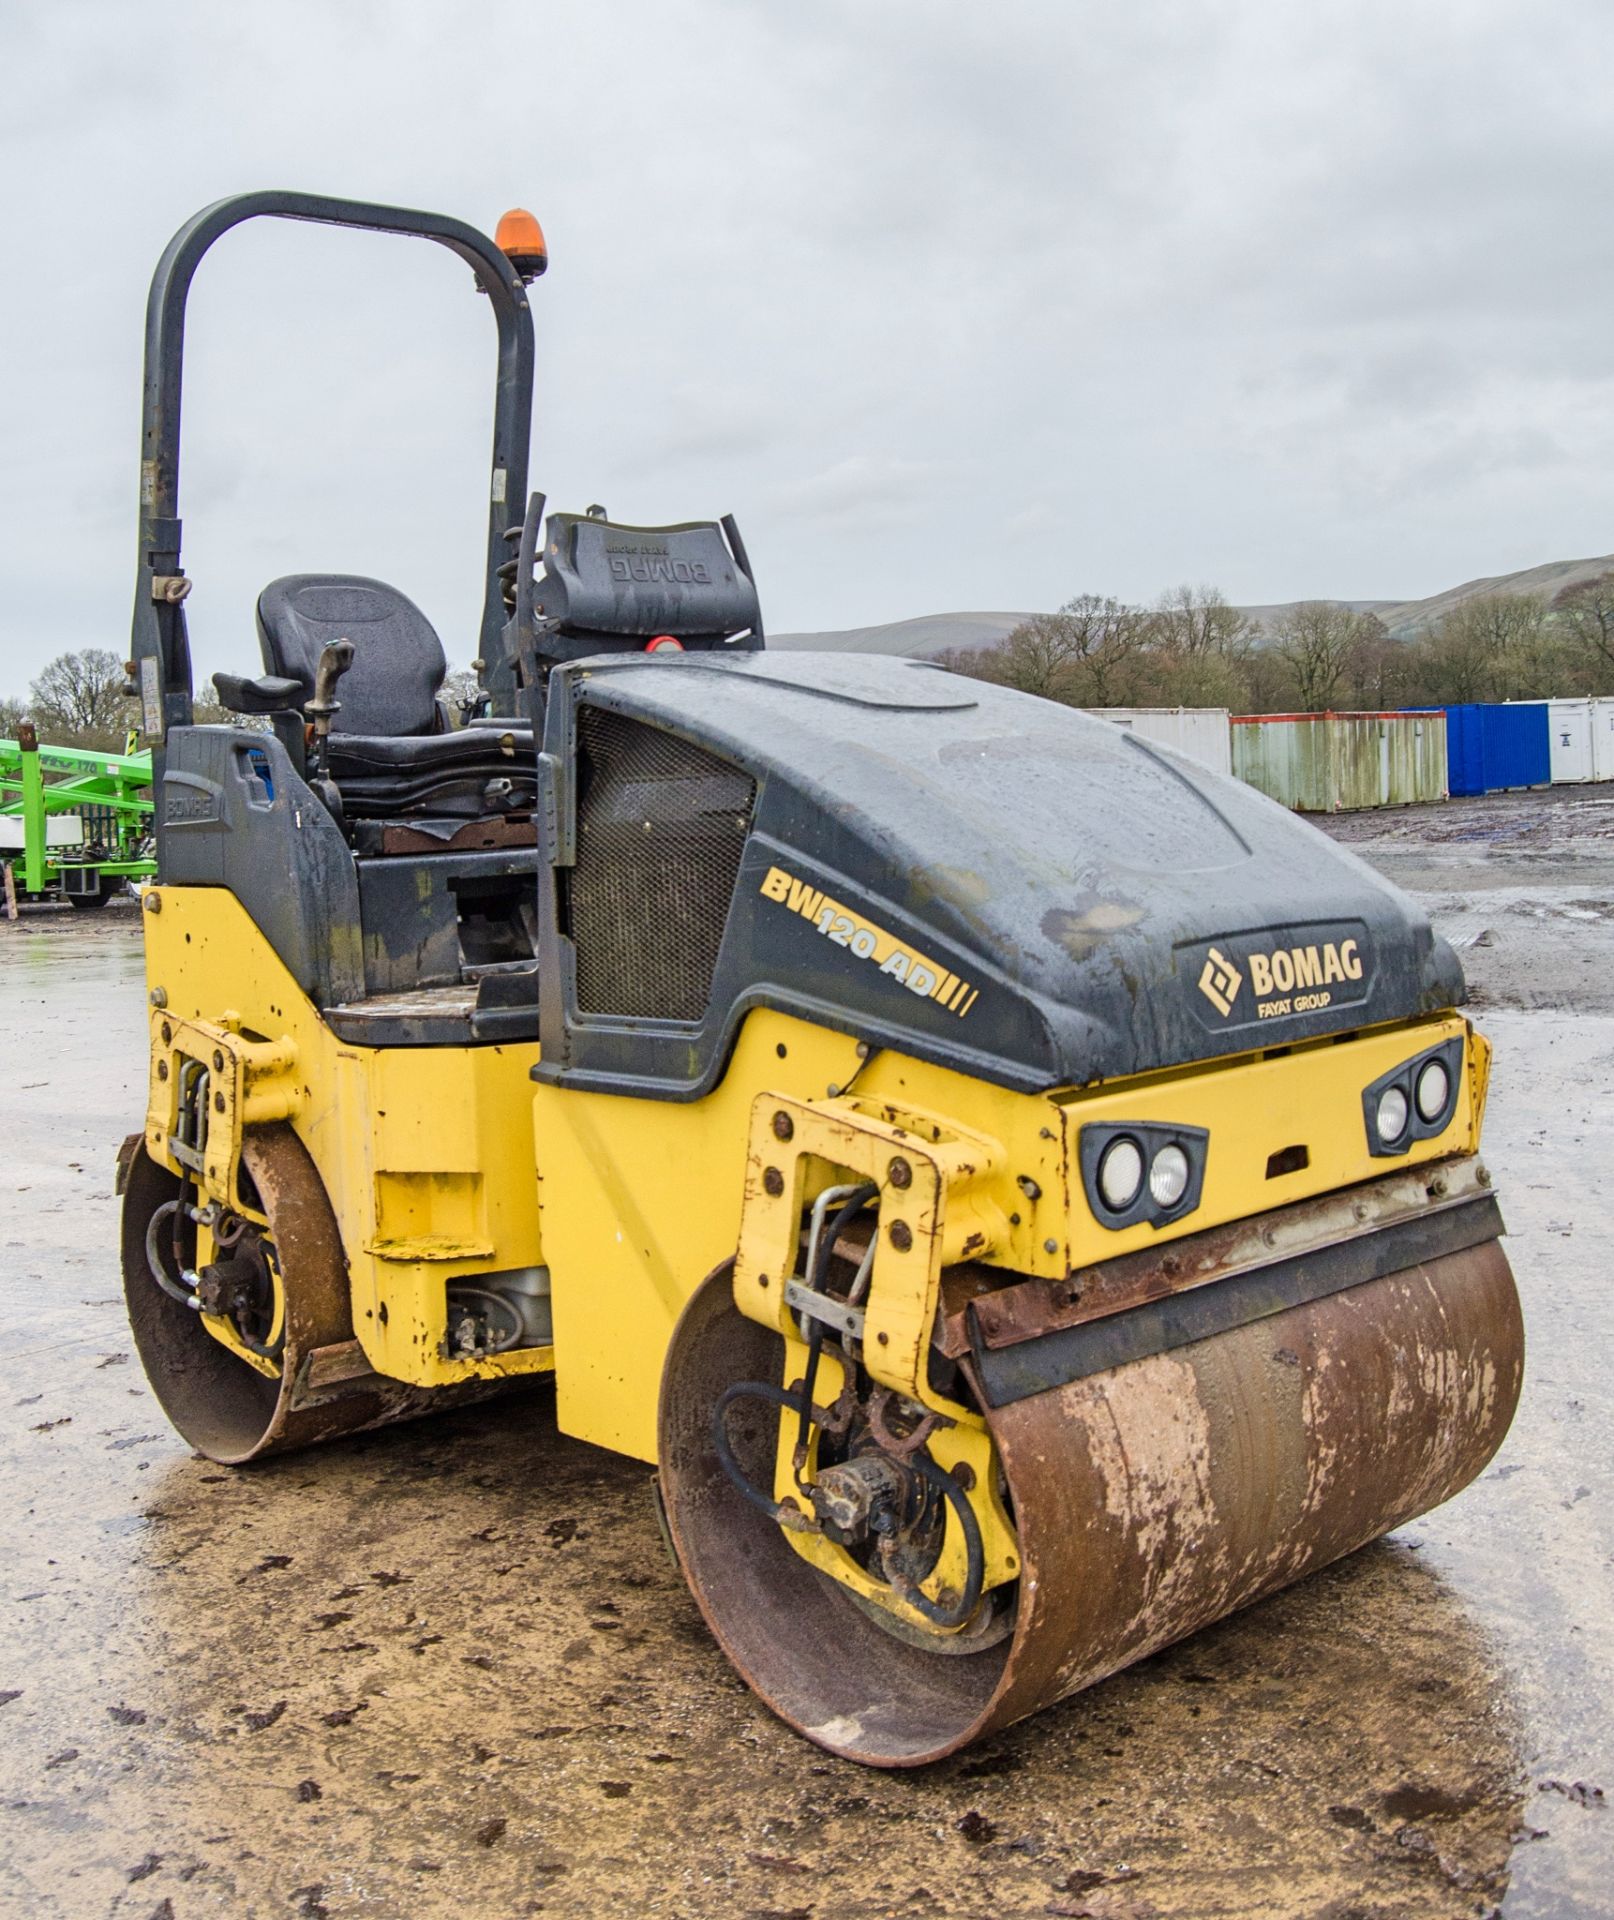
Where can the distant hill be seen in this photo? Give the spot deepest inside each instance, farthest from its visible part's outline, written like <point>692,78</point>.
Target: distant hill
<point>1411,617</point>
<point>934,633</point>
<point>930,633</point>
<point>1269,619</point>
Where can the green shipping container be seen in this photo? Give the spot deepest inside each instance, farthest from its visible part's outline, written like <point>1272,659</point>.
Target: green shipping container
<point>1335,762</point>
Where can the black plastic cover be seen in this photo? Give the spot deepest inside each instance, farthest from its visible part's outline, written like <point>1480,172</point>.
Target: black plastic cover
<point>237,814</point>
<point>603,577</point>
<point>980,878</point>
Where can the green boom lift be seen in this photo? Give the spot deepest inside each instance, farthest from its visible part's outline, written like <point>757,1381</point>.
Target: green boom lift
<point>73,822</point>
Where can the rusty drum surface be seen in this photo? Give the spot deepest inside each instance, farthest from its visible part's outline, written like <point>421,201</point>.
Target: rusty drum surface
<point>1151,1499</point>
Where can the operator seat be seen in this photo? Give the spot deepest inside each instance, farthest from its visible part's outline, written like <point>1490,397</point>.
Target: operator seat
<point>398,661</point>
<point>392,752</point>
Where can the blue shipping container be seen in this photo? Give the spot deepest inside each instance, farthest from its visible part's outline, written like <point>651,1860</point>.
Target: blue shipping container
<point>1491,747</point>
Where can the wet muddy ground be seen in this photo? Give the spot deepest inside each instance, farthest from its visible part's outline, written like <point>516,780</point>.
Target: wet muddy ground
<point>447,1669</point>
<point>1522,885</point>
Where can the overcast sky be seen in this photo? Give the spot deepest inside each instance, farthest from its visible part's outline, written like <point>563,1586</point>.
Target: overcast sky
<point>953,306</point>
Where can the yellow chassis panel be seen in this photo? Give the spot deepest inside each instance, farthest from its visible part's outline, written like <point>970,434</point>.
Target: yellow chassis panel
<point>997,1180</point>
<point>641,1199</point>
<point>426,1152</point>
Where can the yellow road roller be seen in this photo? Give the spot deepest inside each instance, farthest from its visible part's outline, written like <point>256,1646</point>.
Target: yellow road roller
<point>1018,1188</point>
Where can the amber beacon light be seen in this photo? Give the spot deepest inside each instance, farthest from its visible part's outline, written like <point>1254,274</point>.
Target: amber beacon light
<point>519,236</point>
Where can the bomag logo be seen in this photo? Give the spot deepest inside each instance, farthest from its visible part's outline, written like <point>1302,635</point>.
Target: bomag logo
<point>926,978</point>
<point>1283,980</point>
<point>1220,981</point>
<point>1289,967</point>
<point>658,569</point>
<point>184,809</point>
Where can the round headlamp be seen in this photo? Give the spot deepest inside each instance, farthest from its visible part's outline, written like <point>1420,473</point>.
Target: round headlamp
<point>1432,1090</point>
<point>1168,1176</point>
<point>1392,1115</point>
<point>1120,1174</point>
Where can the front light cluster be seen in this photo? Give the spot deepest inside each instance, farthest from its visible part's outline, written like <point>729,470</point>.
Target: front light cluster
<point>1142,1172</point>
<point>1415,1101</point>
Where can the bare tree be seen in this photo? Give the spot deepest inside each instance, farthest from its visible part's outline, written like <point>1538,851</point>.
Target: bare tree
<point>1380,673</point>
<point>1197,622</point>
<point>78,700</point>
<point>1584,615</point>
<point>1114,639</point>
<point>972,662</point>
<point>1199,647</point>
<point>1191,650</point>
<point>1318,639</point>
<point>1522,644</point>
<point>1035,657</point>
<point>1268,683</point>
<point>1496,646</point>
<point>12,715</point>
<point>1456,662</point>
<point>1099,640</point>
<point>1024,659</point>
<point>1082,655</point>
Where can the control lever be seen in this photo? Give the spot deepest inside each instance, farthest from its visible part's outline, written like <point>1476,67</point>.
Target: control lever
<point>335,657</point>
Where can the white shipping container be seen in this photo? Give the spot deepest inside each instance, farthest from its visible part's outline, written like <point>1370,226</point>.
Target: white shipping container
<point>61,830</point>
<point>1603,739</point>
<point>1198,733</point>
<point>1569,738</point>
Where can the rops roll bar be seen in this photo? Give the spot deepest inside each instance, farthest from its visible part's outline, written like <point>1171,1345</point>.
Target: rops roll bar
<point>161,650</point>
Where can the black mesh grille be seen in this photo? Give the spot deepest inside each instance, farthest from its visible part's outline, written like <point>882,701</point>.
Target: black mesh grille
<point>660,829</point>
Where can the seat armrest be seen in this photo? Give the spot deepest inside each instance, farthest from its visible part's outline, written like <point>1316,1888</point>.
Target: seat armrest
<point>272,693</point>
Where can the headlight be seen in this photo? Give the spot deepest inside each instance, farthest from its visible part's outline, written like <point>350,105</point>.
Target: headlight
<point>1415,1101</point>
<point>1168,1176</point>
<point>1141,1172</point>
<point>1432,1089</point>
<point>1392,1115</point>
<point>1120,1174</point>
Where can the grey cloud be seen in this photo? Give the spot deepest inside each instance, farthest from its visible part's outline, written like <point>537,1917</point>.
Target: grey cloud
<point>952,306</point>
<point>865,488</point>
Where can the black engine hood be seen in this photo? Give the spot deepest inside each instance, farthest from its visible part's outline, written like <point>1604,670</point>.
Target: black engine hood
<point>985,879</point>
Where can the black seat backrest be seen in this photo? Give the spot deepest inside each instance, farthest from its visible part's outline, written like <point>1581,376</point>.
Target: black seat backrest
<point>604,578</point>
<point>398,661</point>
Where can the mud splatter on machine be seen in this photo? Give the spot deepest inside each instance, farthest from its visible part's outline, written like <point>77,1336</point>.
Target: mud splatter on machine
<point>1019,1188</point>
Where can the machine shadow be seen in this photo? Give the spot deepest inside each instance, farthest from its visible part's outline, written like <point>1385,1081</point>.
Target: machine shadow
<point>455,1657</point>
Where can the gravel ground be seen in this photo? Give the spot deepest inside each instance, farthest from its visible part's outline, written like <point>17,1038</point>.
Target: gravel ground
<point>447,1669</point>
<point>1522,884</point>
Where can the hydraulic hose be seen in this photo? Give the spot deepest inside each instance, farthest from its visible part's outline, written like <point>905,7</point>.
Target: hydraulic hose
<point>265,1350</point>
<point>922,1464</point>
<point>822,1254</point>
<point>173,1210</point>
<point>779,1397</point>
<point>175,1289</point>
